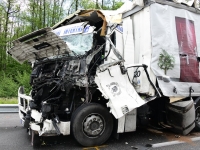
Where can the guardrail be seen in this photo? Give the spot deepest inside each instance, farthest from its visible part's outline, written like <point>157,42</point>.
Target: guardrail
<point>9,108</point>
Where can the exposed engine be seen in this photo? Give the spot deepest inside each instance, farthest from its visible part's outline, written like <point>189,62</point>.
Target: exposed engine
<point>61,84</point>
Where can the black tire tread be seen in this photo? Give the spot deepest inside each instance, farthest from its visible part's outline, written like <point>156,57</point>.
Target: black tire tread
<point>88,108</point>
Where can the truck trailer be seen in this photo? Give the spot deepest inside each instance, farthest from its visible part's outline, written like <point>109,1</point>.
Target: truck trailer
<point>103,72</point>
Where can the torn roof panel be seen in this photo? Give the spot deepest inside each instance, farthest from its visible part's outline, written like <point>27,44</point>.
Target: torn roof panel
<point>93,16</point>
<point>36,45</point>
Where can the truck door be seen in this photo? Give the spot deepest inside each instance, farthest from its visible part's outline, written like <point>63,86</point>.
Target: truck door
<point>189,66</point>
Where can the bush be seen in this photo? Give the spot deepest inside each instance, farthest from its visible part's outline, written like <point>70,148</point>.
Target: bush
<point>23,79</point>
<point>8,88</point>
<point>12,76</point>
<point>9,85</point>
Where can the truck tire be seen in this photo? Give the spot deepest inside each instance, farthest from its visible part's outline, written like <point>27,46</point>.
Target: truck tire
<point>197,116</point>
<point>92,124</point>
<point>36,140</point>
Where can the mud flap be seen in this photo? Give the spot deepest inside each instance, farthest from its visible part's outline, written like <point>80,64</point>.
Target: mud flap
<point>116,87</point>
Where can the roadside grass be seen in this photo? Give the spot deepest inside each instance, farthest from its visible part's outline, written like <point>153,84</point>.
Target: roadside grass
<point>8,100</point>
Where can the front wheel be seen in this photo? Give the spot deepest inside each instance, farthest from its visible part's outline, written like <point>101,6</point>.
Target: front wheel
<point>92,124</point>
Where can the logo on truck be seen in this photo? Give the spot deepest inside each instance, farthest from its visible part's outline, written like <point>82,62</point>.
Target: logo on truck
<point>114,88</point>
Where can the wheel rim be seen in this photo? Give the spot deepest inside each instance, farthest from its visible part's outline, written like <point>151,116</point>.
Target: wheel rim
<point>93,125</point>
<point>198,115</point>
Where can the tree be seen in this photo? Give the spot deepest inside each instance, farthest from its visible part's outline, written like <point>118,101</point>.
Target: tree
<point>8,10</point>
<point>97,4</point>
<point>85,4</point>
<point>166,61</point>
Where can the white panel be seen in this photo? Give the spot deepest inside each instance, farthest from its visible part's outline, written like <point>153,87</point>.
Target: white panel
<point>64,127</point>
<point>121,122</point>
<point>128,41</point>
<point>34,127</point>
<point>119,42</point>
<point>128,44</point>
<point>130,123</point>
<point>49,129</point>
<point>36,115</point>
<point>142,53</point>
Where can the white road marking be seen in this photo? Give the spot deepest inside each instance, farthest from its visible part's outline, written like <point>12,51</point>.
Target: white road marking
<point>171,143</point>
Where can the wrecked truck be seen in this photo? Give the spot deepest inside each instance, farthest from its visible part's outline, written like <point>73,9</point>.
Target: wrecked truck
<point>99,72</point>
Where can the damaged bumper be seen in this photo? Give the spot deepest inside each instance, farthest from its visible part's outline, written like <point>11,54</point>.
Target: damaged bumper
<point>48,127</point>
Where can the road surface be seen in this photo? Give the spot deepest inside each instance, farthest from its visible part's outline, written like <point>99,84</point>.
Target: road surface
<point>14,137</point>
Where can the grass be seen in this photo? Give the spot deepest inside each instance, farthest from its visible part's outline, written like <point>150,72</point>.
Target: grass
<point>8,100</point>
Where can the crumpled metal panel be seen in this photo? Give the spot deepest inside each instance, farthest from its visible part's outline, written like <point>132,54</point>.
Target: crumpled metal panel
<point>39,44</point>
<point>116,87</point>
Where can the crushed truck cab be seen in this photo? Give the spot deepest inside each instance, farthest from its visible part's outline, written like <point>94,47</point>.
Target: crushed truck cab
<point>99,72</point>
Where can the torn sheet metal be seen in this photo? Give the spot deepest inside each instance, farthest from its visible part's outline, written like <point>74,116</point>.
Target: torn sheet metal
<point>95,16</point>
<point>197,4</point>
<point>116,87</point>
<point>49,130</point>
<point>36,45</point>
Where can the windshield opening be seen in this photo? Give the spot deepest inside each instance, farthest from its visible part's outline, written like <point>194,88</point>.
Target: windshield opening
<point>79,43</point>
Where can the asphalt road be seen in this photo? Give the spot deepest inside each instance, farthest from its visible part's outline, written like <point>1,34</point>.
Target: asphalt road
<point>14,137</point>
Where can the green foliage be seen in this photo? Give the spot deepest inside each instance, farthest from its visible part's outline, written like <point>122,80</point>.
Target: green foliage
<point>166,61</point>
<point>87,4</point>
<point>8,87</point>
<point>23,79</point>
<point>94,4</point>
<point>9,84</point>
<point>12,68</point>
<point>115,5</point>
<point>12,77</point>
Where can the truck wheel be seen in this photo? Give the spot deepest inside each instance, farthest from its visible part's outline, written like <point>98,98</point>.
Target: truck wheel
<point>92,124</point>
<point>35,139</point>
<point>197,117</point>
